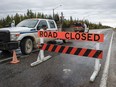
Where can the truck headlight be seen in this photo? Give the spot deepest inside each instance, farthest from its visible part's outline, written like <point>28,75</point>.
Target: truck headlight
<point>14,37</point>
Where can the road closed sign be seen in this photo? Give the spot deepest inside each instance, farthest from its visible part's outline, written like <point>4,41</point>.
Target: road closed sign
<point>72,36</point>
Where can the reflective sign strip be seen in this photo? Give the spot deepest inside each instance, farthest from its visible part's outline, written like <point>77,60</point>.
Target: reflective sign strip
<point>72,36</point>
<point>73,50</point>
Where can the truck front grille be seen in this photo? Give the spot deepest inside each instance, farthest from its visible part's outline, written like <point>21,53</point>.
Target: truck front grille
<point>4,36</point>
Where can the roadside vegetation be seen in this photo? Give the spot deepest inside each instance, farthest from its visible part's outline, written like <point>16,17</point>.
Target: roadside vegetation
<point>66,23</point>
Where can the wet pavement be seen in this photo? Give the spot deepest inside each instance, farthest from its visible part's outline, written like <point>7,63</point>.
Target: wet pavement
<point>62,70</point>
<point>112,68</point>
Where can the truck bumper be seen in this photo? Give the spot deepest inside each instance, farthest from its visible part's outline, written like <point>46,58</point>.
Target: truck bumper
<point>9,45</point>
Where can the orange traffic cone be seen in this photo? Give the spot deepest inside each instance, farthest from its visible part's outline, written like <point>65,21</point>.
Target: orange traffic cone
<point>14,59</point>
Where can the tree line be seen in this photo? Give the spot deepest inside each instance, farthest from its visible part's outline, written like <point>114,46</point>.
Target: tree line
<point>66,23</point>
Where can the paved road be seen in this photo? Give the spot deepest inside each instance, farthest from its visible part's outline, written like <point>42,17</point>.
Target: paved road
<point>112,67</point>
<point>62,70</point>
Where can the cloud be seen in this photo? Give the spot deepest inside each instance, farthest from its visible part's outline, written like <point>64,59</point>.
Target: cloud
<point>94,10</point>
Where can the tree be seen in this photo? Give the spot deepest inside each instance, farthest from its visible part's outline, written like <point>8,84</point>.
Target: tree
<point>42,15</point>
<point>50,17</point>
<point>56,17</point>
<point>8,21</point>
<point>17,18</point>
<point>29,14</point>
<point>38,15</point>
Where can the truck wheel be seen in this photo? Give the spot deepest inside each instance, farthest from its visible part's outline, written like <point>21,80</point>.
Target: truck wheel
<point>26,46</point>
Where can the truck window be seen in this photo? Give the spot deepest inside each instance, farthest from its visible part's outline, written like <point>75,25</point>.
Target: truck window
<point>28,23</point>
<point>42,23</point>
<point>51,23</point>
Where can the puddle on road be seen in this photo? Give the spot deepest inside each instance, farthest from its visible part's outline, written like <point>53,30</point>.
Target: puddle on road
<point>66,71</point>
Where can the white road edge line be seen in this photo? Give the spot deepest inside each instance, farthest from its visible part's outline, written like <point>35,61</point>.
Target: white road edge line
<point>5,59</point>
<point>106,67</point>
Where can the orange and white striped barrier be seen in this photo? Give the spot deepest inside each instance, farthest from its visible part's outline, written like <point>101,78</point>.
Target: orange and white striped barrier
<point>72,50</point>
<point>98,54</point>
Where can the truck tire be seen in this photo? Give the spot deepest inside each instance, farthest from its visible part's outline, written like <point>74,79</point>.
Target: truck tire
<point>26,46</point>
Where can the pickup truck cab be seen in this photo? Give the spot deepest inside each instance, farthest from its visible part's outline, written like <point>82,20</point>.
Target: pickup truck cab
<point>79,27</point>
<point>26,34</point>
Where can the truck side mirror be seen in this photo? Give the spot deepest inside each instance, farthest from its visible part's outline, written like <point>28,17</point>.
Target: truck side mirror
<point>38,28</point>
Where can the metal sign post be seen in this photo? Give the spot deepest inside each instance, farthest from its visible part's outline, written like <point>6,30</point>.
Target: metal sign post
<point>96,67</point>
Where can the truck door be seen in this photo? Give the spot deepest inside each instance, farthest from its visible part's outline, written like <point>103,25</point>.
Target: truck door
<point>52,27</point>
<point>39,26</point>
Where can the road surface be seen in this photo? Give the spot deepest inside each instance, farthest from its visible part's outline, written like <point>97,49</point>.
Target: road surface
<point>62,70</point>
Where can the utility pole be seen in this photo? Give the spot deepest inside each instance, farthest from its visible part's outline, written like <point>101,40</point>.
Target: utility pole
<point>54,9</point>
<point>53,13</point>
<point>62,19</point>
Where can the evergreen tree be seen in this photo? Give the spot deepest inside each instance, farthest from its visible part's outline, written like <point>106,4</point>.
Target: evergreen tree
<point>5,22</point>
<point>17,18</point>
<point>56,17</point>
<point>8,21</point>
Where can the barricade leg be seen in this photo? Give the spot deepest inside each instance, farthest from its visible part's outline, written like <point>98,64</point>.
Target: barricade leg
<point>96,70</point>
<point>41,56</point>
<point>97,66</point>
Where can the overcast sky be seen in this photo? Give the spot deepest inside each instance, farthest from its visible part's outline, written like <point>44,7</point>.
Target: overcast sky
<point>96,11</point>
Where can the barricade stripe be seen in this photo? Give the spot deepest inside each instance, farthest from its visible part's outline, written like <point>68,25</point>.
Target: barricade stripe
<point>54,48</point>
<point>82,52</point>
<point>69,50</point>
<point>47,47</point>
<point>57,48</point>
<point>92,53</point>
<point>72,50</point>
<point>65,49</point>
<point>87,52</point>
<point>100,56</point>
<point>43,46</point>
<point>61,49</point>
<point>98,52</point>
<point>77,51</point>
<point>51,47</point>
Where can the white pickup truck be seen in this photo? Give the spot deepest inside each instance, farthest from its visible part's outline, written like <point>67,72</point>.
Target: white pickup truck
<point>25,34</point>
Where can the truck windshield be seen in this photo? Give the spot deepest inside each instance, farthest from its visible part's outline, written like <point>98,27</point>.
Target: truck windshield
<point>28,23</point>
